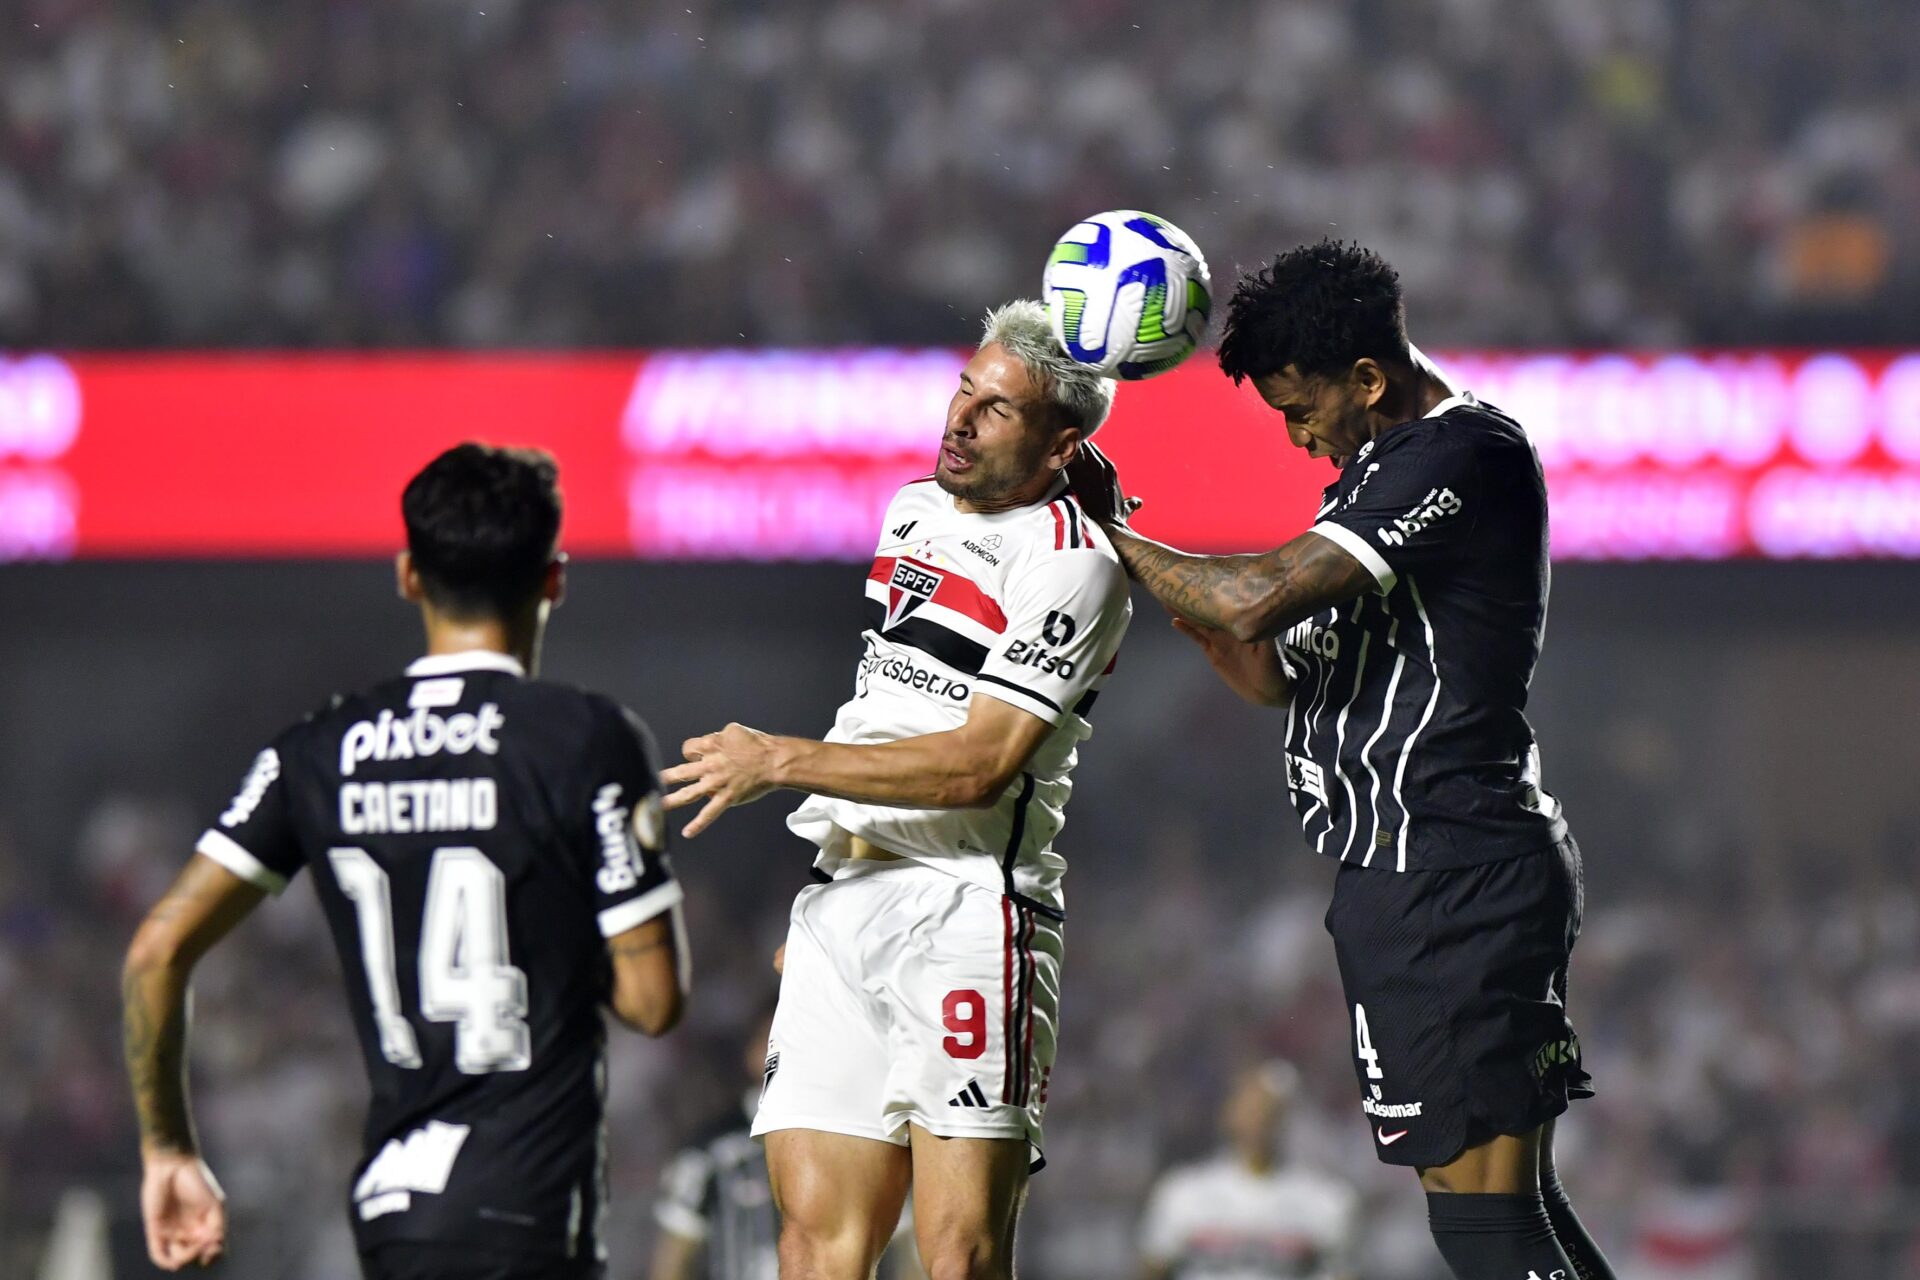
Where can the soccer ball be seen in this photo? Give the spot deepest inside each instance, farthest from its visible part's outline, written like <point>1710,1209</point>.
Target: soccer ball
<point>1127,293</point>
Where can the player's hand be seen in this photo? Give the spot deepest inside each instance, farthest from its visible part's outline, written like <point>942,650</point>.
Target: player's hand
<point>1095,481</point>
<point>733,766</point>
<point>780,959</point>
<point>183,1209</point>
<point>1251,668</point>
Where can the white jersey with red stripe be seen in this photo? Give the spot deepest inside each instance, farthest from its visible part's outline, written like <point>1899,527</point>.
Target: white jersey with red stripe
<point>1027,607</point>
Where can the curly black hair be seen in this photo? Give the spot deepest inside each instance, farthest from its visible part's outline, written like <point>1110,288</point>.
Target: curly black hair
<point>1319,307</point>
<point>482,524</point>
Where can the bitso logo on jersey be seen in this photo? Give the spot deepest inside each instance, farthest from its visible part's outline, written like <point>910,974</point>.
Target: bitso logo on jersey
<point>911,586</point>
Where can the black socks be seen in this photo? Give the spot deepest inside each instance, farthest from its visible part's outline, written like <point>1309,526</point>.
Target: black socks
<point>1588,1262</point>
<point>1494,1237</point>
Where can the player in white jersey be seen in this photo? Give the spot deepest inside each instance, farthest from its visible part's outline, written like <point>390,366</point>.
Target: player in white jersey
<point>1250,1212</point>
<point>915,1029</point>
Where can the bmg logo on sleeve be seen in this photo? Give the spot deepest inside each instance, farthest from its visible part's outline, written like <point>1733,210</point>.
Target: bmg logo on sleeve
<point>620,861</point>
<point>1436,506</point>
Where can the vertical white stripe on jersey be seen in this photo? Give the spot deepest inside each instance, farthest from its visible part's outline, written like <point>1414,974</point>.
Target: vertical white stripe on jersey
<point>1292,702</point>
<point>1406,749</point>
<point>1340,740</point>
<point>1319,704</point>
<point>1386,717</point>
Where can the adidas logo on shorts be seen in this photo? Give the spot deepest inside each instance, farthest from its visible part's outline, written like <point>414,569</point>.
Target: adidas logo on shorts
<point>969,1096</point>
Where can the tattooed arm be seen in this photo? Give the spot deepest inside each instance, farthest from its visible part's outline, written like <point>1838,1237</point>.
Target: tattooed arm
<point>179,1201</point>
<point>1251,597</point>
<point>1248,598</point>
<point>649,980</point>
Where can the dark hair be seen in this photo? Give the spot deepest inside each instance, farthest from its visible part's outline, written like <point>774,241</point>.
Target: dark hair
<point>1319,307</point>
<point>482,524</point>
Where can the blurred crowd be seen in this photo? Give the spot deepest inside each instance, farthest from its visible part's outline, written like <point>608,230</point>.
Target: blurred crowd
<point>509,173</point>
<point>1754,1030</point>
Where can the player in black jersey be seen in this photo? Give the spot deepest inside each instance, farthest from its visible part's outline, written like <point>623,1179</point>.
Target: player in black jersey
<point>1400,634</point>
<point>490,854</point>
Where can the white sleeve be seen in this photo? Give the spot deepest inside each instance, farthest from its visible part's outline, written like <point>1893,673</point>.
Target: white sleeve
<point>1162,1237</point>
<point>1066,615</point>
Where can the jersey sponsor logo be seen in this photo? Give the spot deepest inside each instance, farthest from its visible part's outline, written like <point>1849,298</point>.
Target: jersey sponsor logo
<point>1305,776</point>
<point>391,737</point>
<point>1025,653</point>
<point>1391,1110</point>
<point>266,769</point>
<point>1388,1139</point>
<point>419,1164</point>
<point>404,808</point>
<point>901,670</point>
<point>911,586</point>
<point>1311,637</point>
<point>621,861</point>
<point>1436,506</point>
<point>1059,627</point>
<point>982,550</point>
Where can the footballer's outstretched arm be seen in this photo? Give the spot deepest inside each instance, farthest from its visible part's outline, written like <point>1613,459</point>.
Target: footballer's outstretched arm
<point>1250,597</point>
<point>961,768</point>
<point>180,1203</point>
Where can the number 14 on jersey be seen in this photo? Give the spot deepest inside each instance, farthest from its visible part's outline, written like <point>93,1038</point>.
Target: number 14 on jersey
<point>465,974</point>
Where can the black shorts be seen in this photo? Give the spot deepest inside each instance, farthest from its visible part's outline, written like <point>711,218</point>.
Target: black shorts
<point>420,1260</point>
<point>1456,986</point>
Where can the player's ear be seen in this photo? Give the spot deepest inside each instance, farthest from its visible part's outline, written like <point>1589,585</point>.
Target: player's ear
<point>1370,380</point>
<point>406,579</point>
<point>1066,447</point>
<point>553,585</point>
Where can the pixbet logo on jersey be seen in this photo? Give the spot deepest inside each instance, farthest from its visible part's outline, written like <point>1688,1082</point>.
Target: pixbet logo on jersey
<point>911,586</point>
<point>391,737</point>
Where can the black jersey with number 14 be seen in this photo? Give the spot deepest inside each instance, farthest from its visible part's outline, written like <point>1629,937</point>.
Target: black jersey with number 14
<point>474,838</point>
<point>1408,746</point>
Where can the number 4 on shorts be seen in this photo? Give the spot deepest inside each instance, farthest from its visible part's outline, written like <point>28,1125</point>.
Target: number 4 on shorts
<point>1363,1044</point>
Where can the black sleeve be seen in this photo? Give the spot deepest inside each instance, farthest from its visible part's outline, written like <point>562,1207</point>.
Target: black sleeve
<point>254,836</point>
<point>624,829</point>
<point>1416,501</point>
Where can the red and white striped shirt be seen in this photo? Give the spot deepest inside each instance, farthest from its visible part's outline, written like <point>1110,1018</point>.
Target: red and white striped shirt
<point>1027,607</point>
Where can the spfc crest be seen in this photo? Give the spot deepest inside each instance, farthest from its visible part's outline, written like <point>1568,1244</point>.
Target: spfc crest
<point>911,586</point>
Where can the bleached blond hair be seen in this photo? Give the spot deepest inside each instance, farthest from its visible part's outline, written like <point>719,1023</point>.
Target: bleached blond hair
<point>1081,394</point>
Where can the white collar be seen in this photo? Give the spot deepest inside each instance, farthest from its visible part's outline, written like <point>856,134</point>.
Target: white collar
<point>446,664</point>
<point>1454,402</point>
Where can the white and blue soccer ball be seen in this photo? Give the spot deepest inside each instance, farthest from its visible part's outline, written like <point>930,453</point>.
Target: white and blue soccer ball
<point>1128,294</point>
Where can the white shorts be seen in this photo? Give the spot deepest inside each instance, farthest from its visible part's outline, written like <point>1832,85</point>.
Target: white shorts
<point>910,995</point>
